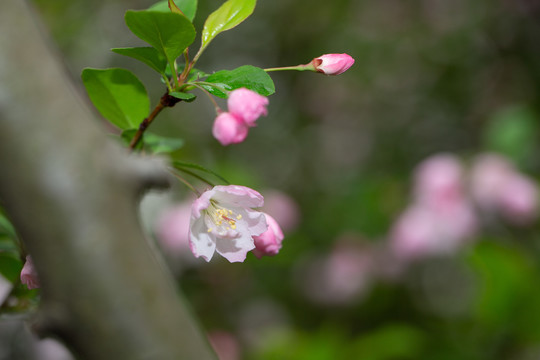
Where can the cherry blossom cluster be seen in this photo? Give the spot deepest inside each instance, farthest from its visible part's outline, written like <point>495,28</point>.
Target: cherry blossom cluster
<point>450,204</point>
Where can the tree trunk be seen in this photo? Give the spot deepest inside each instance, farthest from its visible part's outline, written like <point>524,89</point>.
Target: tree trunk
<point>72,194</point>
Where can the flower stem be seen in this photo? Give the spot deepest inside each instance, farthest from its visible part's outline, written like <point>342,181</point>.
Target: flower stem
<point>175,73</point>
<point>297,68</point>
<point>187,69</point>
<point>218,109</point>
<point>185,182</point>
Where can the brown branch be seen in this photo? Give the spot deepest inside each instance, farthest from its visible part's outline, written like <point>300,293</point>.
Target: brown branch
<point>73,194</point>
<point>165,101</point>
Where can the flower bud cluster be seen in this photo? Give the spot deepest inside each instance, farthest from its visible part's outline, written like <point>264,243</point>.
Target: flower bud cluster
<point>245,107</point>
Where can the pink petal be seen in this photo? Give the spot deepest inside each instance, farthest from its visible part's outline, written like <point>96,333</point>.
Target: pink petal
<point>235,250</point>
<point>229,129</point>
<point>29,275</point>
<point>201,203</point>
<point>269,242</point>
<point>201,243</point>
<point>247,105</point>
<point>237,195</point>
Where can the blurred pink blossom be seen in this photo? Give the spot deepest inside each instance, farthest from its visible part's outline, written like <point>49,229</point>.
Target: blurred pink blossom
<point>519,200</point>
<point>247,105</point>
<point>438,181</point>
<point>172,229</point>
<point>223,220</point>
<point>228,129</point>
<point>498,187</point>
<point>29,275</point>
<point>440,217</point>
<point>332,64</point>
<point>341,277</point>
<point>420,231</point>
<point>282,208</point>
<point>225,345</point>
<point>269,242</point>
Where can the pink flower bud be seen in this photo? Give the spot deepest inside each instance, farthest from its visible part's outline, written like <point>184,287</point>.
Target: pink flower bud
<point>247,105</point>
<point>228,129</point>
<point>269,242</point>
<point>28,274</point>
<point>332,64</point>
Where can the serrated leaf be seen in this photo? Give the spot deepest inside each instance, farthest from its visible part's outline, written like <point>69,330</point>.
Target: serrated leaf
<point>250,77</point>
<point>187,97</point>
<point>183,165</point>
<point>188,7</point>
<point>153,143</point>
<point>229,15</point>
<point>169,33</point>
<point>148,55</point>
<point>118,95</point>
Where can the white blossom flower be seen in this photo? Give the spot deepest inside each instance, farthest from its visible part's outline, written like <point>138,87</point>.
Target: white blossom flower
<point>223,220</point>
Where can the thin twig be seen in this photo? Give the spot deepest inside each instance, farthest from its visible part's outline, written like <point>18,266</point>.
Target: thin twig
<point>165,101</point>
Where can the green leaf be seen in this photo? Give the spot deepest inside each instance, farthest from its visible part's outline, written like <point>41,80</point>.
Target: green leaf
<point>183,165</point>
<point>6,227</point>
<point>250,77</point>
<point>188,7</point>
<point>187,97</point>
<point>10,266</point>
<point>118,95</point>
<point>148,55</point>
<point>169,33</point>
<point>229,15</point>
<point>154,143</point>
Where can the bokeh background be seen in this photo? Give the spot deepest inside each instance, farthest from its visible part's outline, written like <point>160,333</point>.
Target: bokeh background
<point>339,160</point>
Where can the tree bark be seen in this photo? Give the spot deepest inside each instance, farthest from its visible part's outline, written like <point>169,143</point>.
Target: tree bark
<point>73,194</point>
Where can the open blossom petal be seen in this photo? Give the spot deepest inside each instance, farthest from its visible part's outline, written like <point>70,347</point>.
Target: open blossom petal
<point>235,250</point>
<point>238,195</point>
<point>247,105</point>
<point>222,220</point>
<point>201,245</point>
